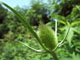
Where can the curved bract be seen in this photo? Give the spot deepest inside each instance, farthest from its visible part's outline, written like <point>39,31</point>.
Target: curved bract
<point>47,36</point>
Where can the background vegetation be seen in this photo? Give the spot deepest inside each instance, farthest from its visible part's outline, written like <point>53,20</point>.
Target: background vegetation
<point>11,29</point>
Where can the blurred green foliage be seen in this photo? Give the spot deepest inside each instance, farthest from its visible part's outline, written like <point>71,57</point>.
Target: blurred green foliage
<point>65,11</point>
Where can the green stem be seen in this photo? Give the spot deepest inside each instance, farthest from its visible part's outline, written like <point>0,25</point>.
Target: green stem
<point>56,30</point>
<point>38,51</point>
<point>60,44</point>
<point>64,36</point>
<point>54,55</point>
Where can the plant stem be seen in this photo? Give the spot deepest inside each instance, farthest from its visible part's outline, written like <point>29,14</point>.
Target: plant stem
<point>54,55</point>
<point>38,51</point>
<point>56,30</point>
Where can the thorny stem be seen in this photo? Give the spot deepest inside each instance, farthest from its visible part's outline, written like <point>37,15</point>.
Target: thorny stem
<point>54,55</point>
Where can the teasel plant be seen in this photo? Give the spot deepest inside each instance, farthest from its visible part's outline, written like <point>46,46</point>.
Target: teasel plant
<point>47,38</point>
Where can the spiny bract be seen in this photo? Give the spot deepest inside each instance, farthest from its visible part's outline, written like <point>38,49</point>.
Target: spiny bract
<point>47,36</point>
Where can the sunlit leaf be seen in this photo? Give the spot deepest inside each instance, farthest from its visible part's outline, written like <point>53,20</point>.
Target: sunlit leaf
<point>75,23</point>
<point>70,35</point>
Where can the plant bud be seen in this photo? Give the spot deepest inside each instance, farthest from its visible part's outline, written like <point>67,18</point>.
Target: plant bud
<point>47,36</point>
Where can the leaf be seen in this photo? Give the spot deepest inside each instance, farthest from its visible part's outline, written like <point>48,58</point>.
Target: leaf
<point>75,23</point>
<point>60,21</point>
<point>77,30</point>
<point>70,35</point>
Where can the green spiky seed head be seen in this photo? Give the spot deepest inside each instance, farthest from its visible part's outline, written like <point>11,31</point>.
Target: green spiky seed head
<point>47,36</point>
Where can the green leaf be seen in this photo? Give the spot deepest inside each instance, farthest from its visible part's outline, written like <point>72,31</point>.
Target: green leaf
<point>77,30</point>
<point>75,23</point>
<point>60,21</point>
<point>70,35</point>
